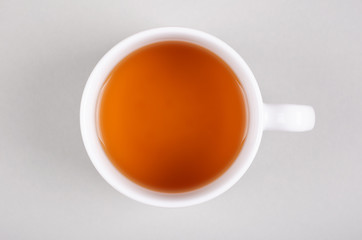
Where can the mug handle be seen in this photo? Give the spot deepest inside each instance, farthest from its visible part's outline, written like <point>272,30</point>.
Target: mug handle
<point>288,117</point>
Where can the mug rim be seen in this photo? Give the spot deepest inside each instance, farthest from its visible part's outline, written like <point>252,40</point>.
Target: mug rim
<point>117,179</point>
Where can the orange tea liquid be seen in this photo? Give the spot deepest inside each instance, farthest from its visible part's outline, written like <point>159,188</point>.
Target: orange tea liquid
<point>172,116</point>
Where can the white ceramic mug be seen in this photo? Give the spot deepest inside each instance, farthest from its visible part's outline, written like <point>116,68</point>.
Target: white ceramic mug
<point>262,117</point>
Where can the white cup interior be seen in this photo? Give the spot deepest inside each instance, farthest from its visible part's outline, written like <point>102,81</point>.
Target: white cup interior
<point>123,184</point>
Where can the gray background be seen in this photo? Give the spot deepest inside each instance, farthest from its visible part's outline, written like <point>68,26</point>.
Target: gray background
<point>300,186</point>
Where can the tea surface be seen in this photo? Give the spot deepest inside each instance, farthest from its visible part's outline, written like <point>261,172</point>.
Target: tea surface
<point>172,116</point>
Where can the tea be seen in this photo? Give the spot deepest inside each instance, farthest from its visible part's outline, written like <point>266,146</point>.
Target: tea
<point>172,116</point>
